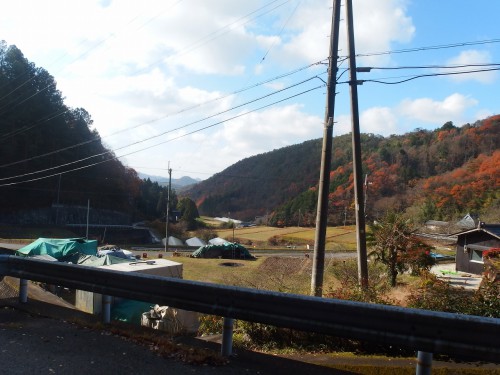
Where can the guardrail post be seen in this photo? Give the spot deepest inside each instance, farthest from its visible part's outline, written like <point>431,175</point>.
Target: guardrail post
<point>424,363</point>
<point>106,309</point>
<point>23,290</point>
<point>227,337</point>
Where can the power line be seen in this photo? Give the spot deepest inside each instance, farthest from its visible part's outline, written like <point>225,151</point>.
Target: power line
<point>181,111</point>
<point>425,75</point>
<point>281,31</point>
<point>426,48</point>
<point>189,124</point>
<point>148,147</point>
<point>86,52</point>
<point>199,42</point>
<point>100,42</point>
<point>368,68</point>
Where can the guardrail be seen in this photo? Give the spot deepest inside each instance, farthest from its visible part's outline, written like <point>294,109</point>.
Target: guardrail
<point>462,336</point>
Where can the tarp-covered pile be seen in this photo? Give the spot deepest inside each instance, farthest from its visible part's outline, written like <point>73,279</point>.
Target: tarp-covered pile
<point>61,249</point>
<point>227,251</point>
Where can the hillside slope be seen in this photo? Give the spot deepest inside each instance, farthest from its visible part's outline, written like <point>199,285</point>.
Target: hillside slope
<point>401,171</point>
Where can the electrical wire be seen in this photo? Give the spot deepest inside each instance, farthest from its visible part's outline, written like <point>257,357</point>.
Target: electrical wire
<point>157,135</point>
<point>202,41</point>
<point>430,66</point>
<point>281,31</point>
<point>98,138</point>
<point>163,142</point>
<point>157,62</point>
<point>427,48</point>
<point>86,52</point>
<point>425,75</point>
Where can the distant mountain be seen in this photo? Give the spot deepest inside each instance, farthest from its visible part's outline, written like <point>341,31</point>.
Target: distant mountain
<point>438,174</point>
<point>177,183</point>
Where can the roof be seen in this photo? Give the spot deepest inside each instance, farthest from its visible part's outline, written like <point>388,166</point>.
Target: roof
<point>195,241</point>
<point>437,223</point>
<point>492,229</point>
<point>468,221</point>
<point>173,241</point>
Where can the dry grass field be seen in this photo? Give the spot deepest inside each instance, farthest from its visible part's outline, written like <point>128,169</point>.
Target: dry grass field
<point>337,238</point>
<point>284,274</point>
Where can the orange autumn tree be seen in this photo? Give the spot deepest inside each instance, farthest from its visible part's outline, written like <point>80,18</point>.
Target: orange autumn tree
<point>469,188</point>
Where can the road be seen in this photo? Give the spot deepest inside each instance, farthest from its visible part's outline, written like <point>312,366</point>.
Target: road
<point>279,253</point>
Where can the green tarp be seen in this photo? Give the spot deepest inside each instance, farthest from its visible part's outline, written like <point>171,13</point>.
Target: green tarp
<point>226,251</point>
<point>61,249</point>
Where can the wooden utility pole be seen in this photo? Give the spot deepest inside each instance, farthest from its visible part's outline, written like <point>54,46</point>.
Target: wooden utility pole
<point>356,151</point>
<point>326,159</point>
<point>168,206</point>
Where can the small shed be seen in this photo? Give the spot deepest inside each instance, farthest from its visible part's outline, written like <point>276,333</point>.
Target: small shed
<point>472,243</point>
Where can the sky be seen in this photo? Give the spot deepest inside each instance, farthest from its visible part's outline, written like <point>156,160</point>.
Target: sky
<point>198,85</point>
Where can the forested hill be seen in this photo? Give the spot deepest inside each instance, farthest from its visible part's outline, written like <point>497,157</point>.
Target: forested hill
<point>51,156</point>
<point>438,174</point>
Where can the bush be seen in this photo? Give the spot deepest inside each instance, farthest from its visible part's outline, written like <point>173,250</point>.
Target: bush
<point>418,261</point>
<point>206,234</point>
<point>346,273</point>
<point>438,295</point>
<point>210,325</point>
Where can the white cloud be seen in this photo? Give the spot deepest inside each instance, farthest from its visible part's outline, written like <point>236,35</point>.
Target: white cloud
<point>377,24</point>
<point>379,120</point>
<point>432,111</point>
<point>252,134</point>
<point>342,125</point>
<point>376,120</point>
<point>130,63</point>
<point>471,57</point>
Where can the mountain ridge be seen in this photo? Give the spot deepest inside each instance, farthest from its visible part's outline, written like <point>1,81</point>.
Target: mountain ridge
<point>282,183</point>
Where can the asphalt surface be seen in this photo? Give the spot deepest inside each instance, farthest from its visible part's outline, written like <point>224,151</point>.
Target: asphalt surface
<point>49,336</point>
<point>41,337</point>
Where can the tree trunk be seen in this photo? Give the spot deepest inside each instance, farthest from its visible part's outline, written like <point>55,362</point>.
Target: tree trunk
<point>394,275</point>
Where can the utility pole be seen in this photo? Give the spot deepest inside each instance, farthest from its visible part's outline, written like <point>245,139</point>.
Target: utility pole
<point>366,191</point>
<point>168,205</point>
<point>326,159</point>
<point>356,151</point>
<point>58,193</point>
<point>88,214</point>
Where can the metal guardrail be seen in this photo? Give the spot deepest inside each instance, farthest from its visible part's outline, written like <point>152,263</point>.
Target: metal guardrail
<point>463,336</point>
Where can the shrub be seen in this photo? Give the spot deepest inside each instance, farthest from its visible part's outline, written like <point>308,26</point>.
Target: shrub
<point>347,275</point>
<point>210,325</point>
<point>438,295</point>
<point>418,260</point>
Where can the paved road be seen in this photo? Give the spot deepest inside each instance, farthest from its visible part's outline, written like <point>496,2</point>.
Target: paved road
<point>46,335</point>
<point>32,344</point>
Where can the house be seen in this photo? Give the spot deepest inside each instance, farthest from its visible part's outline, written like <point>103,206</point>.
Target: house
<point>437,226</point>
<point>469,221</point>
<point>472,243</point>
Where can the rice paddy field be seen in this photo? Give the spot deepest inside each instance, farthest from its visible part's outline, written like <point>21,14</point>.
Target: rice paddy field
<point>337,238</point>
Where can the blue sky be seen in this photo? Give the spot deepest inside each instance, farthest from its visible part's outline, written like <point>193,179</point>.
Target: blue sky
<point>168,76</point>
